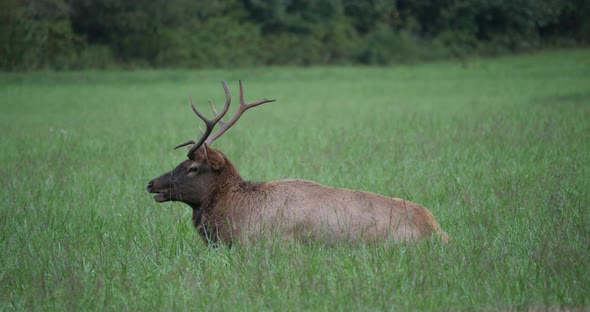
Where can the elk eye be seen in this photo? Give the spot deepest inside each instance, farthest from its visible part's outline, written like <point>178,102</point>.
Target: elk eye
<point>193,169</point>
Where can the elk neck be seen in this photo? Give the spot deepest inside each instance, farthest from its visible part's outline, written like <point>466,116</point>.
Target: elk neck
<point>227,187</point>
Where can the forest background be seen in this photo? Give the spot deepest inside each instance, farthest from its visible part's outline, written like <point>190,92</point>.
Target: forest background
<point>103,34</point>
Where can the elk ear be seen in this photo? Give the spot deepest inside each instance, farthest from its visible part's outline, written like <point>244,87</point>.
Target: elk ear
<point>213,158</point>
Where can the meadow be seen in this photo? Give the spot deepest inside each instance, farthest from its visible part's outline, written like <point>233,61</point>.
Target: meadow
<point>497,149</point>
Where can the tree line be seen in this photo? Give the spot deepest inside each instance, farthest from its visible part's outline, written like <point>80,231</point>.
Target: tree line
<point>81,34</point>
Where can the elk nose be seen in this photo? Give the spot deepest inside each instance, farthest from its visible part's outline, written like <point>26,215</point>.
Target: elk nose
<point>150,185</point>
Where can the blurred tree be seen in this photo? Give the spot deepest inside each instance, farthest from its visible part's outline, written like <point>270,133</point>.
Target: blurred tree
<point>130,28</point>
<point>37,33</point>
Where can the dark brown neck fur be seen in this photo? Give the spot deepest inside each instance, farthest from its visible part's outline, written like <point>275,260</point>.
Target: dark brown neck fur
<point>210,217</point>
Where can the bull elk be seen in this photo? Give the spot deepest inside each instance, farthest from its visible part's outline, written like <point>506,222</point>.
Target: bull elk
<point>228,209</point>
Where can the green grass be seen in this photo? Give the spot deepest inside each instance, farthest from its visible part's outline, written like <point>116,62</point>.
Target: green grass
<point>498,150</point>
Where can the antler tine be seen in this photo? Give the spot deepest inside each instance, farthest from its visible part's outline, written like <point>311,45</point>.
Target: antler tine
<point>189,142</point>
<point>221,122</point>
<point>243,107</point>
<point>209,123</point>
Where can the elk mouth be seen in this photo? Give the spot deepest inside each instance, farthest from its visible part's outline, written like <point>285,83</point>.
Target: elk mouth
<point>161,197</point>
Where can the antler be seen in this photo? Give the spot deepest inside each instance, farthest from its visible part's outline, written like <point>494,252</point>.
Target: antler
<point>210,123</point>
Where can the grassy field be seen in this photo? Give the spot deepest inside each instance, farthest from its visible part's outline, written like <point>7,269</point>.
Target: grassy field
<point>498,150</point>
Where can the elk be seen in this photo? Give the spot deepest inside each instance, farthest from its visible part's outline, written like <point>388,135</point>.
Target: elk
<point>228,209</point>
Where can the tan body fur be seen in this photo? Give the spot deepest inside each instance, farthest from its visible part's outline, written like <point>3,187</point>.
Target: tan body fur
<point>303,210</point>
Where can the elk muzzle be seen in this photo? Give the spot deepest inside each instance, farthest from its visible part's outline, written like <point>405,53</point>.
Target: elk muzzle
<point>161,195</point>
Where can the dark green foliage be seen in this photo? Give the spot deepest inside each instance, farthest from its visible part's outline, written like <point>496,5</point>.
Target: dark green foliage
<point>66,34</point>
<point>36,34</point>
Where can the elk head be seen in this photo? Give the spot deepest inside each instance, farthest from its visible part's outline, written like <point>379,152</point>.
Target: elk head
<point>195,181</point>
